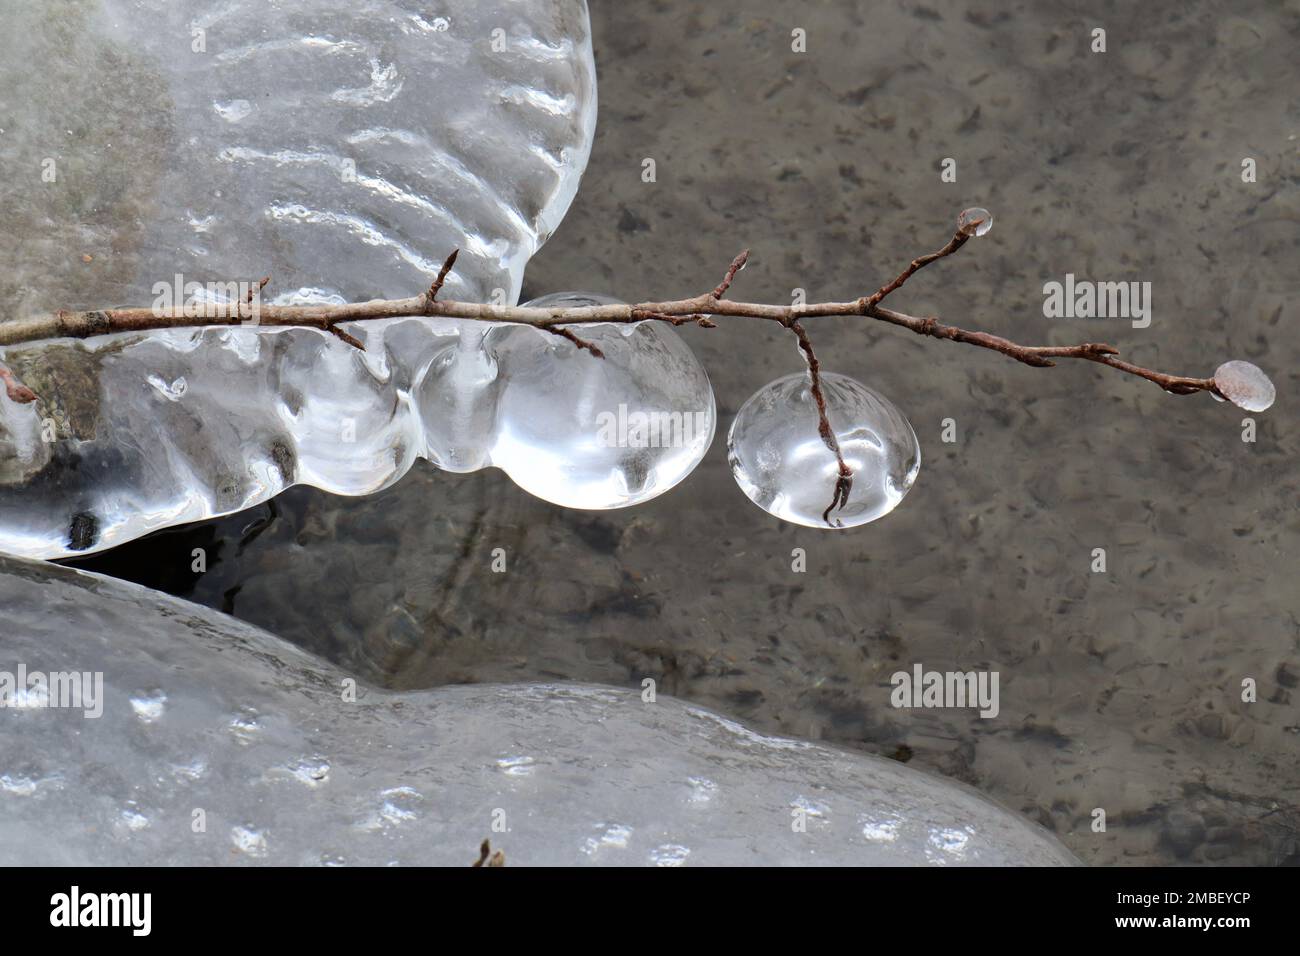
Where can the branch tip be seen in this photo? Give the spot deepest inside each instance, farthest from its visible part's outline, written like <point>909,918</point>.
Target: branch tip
<point>442,274</point>
<point>16,390</point>
<point>260,286</point>
<point>581,343</point>
<point>354,342</point>
<point>737,264</point>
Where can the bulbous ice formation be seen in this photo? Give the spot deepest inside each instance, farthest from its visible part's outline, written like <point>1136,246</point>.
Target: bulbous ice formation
<point>783,466</point>
<point>155,430</point>
<point>602,433</point>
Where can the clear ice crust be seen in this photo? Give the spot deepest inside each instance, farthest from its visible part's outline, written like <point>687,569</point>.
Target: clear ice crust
<point>345,148</point>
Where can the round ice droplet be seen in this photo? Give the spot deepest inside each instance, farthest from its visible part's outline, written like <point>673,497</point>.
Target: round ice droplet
<point>599,433</point>
<point>780,461</point>
<point>1245,385</point>
<point>975,221</point>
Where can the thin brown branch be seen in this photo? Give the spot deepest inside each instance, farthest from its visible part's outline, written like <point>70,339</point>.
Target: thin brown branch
<point>959,239</point>
<point>1040,356</point>
<point>699,310</point>
<point>16,390</point>
<point>260,286</point>
<point>844,481</point>
<point>339,333</point>
<point>579,342</point>
<point>442,274</point>
<point>737,264</point>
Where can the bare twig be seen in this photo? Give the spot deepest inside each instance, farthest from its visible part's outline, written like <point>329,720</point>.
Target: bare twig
<point>579,342</point>
<point>737,264</point>
<point>699,310</point>
<point>16,390</point>
<point>339,333</point>
<point>1040,356</point>
<point>260,286</point>
<point>844,481</point>
<point>442,274</point>
<point>958,240</point>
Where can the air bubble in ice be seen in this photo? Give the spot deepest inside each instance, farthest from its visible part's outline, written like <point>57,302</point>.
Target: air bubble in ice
<point>783,466</point>
<point>248,840</point>
<point>669,854</point>
<point>149,707</point>
<point>173,391</point>
<point>234,111</point>
<point>132,819</point>
<point>313,771</point>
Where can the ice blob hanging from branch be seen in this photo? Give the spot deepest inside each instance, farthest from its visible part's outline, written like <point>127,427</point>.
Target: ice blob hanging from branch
<point>867,455</point>
<point>783,466</point>
<point>599,435</point>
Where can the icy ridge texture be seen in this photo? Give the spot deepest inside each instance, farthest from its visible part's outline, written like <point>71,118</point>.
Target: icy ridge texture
<point>345,148</point>
<point>218,743</point>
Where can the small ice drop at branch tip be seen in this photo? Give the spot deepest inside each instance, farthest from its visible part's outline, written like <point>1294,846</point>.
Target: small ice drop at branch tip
<point>975,221</point>
<point>1245,385</point>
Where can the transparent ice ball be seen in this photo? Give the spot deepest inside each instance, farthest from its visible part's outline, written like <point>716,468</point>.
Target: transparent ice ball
<point>1245,385</point>
<point>780,461</point>
<point>976,221</point>
<point>600,433</point>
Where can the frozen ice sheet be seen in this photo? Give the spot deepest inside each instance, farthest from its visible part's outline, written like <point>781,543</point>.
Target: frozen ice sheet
<point>208,719</point>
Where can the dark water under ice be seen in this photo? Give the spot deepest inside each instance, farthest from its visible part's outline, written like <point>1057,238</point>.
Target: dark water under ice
<point>1119,690</point>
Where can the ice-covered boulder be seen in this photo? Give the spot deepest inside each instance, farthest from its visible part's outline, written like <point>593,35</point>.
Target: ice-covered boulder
<point>177,151</point>
<point>218,743</point>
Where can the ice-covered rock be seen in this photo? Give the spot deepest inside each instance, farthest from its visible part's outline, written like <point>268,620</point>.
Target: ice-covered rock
<point>219,743</point>
<point>345,149</point>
